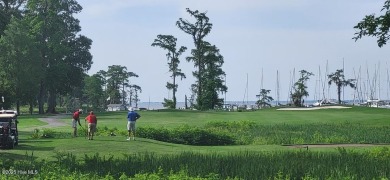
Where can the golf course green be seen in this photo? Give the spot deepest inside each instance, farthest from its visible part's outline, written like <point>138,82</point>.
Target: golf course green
<point>268,143</point>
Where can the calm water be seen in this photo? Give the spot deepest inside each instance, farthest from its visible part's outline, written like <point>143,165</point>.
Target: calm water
<point>158,105</point>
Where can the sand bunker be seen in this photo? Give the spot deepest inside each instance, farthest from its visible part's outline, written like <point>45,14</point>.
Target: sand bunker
<point>313,108</point>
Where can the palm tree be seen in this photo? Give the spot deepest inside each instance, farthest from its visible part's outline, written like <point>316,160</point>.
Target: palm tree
<point>338,79</point>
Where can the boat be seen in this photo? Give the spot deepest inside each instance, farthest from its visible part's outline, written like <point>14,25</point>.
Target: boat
<point>325,101</point>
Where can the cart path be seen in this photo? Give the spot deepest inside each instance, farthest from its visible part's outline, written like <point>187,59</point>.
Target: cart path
<point>52,121</point>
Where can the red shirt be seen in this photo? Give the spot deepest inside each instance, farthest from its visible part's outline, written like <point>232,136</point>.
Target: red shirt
<point>76,115</point>
<point>91,118</point>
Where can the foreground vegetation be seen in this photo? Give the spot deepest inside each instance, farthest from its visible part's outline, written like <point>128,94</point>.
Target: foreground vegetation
<point>250,146</point>
<point>373,164</point>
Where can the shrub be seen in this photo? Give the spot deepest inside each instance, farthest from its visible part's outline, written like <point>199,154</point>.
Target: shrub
<point>48,133</point>
<point>44,133</point>
<point>36,134</point>
<point>380,153</point>
<point>187,135</point>
<point>197,136</point>
<point>152,133</point>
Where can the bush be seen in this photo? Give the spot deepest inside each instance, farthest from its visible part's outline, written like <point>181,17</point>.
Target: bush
<point>200,137</point>
<point>152,133</point>
<point>187,135</point>
<point>48,133</point>
<point>36,134</point>
<point>44,133</point>
<point>105,131</point>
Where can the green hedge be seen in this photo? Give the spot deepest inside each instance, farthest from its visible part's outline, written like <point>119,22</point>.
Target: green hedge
<point>187,135</point>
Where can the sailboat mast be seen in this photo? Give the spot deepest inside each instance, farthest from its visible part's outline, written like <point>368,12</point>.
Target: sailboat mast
<point>354,92</point>
<point>289,90</point>
<point>277,87</point>
<point>262,80</point>
<point>292,80</point>
<point>388,82</point>
<point>343,86</point>
<point>225,91</point>
<point>369,96</point>
<point>318,85</point>
<point>247,89</point>
<point>326,77</point>
<point>360,91</point>
<point>379,80</point>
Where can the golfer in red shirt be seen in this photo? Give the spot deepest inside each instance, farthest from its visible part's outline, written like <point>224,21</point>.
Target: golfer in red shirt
<point>75,120</point>
<point>92,121</point>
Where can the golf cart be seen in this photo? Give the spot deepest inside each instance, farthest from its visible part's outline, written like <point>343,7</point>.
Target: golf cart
<point>8,129</point>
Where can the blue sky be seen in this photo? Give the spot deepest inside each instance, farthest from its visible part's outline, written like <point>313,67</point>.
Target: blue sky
<point>254,36</point>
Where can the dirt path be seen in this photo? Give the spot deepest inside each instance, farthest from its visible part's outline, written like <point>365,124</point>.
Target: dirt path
<point>52,121</point>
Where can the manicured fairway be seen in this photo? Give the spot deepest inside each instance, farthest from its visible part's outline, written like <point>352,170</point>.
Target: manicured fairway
<point>369,117</point>
<point>171,119</point>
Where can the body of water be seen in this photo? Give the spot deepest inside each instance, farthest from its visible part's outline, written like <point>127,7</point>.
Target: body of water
<point>180,105</point>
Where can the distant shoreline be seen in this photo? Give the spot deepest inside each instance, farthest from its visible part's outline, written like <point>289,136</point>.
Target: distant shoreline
<point>158,105</point>
<point>313,108</point>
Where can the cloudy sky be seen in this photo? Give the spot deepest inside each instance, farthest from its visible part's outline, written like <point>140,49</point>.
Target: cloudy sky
<point>256,37</point>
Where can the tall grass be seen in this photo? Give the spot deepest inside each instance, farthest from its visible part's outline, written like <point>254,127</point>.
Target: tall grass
<point>243,165</point>
<point>248,132</point>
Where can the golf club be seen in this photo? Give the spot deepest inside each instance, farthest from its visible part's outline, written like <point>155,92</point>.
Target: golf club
<point>84,130</point>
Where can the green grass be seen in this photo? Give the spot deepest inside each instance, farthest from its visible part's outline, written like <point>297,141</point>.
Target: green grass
<point>114,145</point>
<point>171,119</point>
<point>30,121</point>
<point>367,117</point>
<point>318,124</point>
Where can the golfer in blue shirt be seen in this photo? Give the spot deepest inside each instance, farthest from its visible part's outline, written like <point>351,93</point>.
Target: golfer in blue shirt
<point>132,117</point>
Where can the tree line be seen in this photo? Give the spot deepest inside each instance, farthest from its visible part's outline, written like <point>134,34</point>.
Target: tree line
<point>44,60</point>
<point>299,88</point>
<point>207,60</point>
<point>42,54</point>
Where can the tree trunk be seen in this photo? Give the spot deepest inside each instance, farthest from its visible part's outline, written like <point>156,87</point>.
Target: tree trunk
<point>174,92</point>
<point>136,98</point>
<point>51,103</point>
<point>123,94</point>
<point>31,107</point>
<point>130,99</point>
<point>339,93</point>
<point>199,97</point>
<point>199,101</point>
<point>185,102</point>
<point>18,106</point>
<point>41,97</point>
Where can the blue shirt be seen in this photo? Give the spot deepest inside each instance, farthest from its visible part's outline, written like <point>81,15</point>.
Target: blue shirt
<point>132,116</point>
